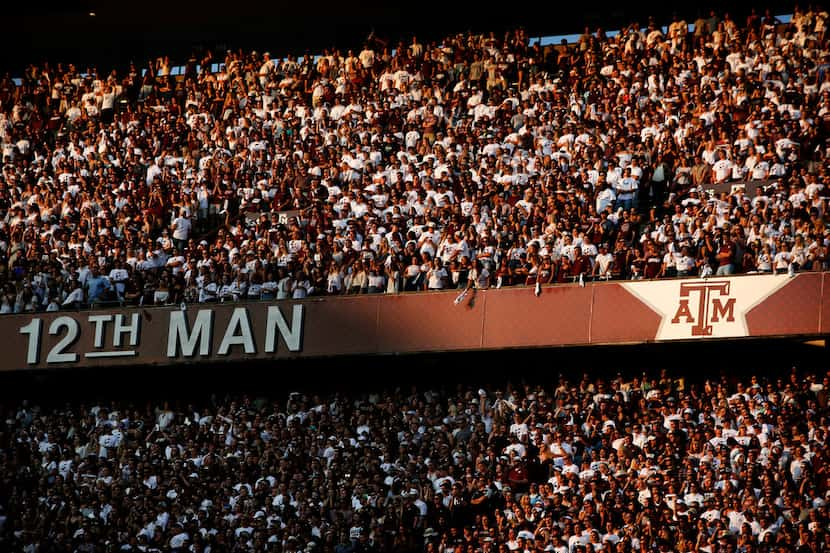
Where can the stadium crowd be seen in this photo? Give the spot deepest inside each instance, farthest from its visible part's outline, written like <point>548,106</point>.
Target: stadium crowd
<point>619,464</point>
<point>479,160</point>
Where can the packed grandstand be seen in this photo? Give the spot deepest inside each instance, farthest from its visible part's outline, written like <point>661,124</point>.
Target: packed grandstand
<point>476,161</point>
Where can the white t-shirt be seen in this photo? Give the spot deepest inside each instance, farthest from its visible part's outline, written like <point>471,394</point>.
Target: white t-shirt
<point>604,261</point>
<point>182,230</point>
<point>782,260</point>
<point>519,429</point>
<point>118,276</point>
<point>435,278</point>
<point>107,100</point>
<point>376,281</point>
<point>722,169</point>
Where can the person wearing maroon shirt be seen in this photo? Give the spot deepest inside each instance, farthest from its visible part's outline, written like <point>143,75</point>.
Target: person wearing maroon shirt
<point>517,476</point>
<point>627,228</point>
<point>725,255</point>
<point>504,274</point>
<point>638,263</point>
<point>546,271</point>
<point>622,258</point>
<point>564,272</point>
<point>582,264</point>
<point>653,261</point>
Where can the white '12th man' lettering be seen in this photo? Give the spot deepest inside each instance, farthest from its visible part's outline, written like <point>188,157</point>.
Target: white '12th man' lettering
<point>186,341</point>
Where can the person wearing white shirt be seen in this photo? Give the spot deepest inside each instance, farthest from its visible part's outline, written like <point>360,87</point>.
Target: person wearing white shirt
<point>627,188</point>
<point>781,260</point>
<point>559,451</point>
<point>119,276</point>
<point>588,248</point>
<point>684,263</point>
<point>208,291</point>
<point>603,263</point>
<point>760,170</point>
<point>437,275</point>
<point>606,197</point>
<point>722,168</point>
<point>519,427</point>
<point>302,287</point>
<point>107,104</point>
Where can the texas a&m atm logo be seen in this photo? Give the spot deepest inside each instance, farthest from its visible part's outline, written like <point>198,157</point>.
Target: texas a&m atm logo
<point>691,309</point>
<point>713,304</point>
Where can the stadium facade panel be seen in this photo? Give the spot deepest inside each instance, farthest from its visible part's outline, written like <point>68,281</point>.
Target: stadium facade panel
<point>572,315</point>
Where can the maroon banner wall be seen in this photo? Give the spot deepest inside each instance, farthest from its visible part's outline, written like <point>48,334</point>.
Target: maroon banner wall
<point>565,315</point>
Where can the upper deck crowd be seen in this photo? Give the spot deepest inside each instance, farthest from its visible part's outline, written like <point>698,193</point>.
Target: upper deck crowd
<point>478,160</point>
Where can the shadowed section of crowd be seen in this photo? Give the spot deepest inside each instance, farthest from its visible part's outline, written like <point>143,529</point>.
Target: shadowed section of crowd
<point>603,464</point>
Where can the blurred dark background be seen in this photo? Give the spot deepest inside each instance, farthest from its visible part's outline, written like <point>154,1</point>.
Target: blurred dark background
<point>121,32</point>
